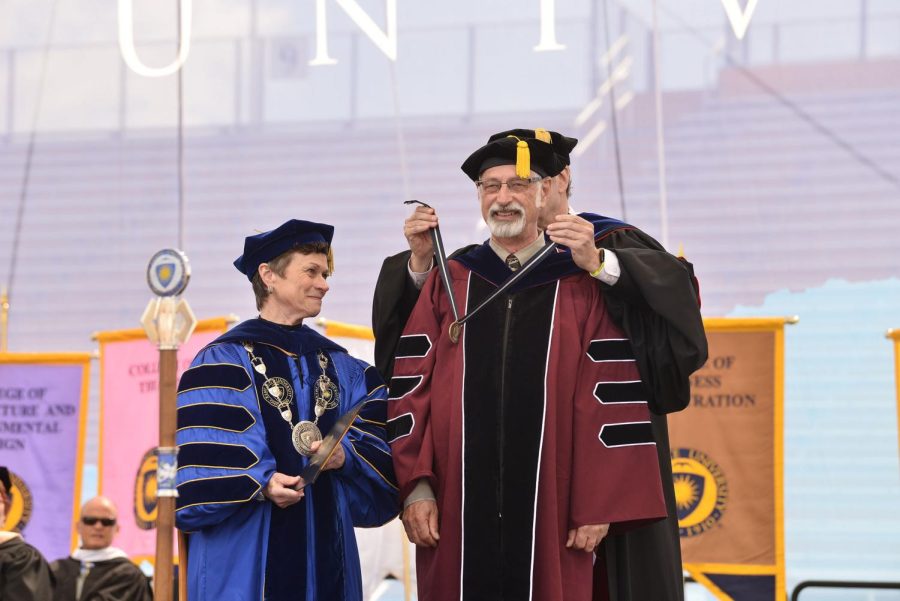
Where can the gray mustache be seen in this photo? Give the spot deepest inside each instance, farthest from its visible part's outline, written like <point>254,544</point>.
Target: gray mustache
<point>514,208</point>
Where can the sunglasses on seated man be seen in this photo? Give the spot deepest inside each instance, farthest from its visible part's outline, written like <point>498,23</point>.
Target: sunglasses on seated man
<point>89,520</point>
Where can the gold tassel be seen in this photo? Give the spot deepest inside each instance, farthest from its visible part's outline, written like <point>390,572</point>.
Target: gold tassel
<point>330,256</point>
<point>543,135</point>
<point>523,159</point>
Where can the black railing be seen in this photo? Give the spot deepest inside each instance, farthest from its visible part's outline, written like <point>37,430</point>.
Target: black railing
<point>845,584</point>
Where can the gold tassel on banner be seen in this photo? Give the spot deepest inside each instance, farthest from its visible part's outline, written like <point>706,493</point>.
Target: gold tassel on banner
<point>4,321</point>
<point>894,335</point>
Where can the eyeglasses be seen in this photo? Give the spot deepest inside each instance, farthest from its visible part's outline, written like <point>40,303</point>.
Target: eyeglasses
<point>88,520</point>
<point>515,186</point>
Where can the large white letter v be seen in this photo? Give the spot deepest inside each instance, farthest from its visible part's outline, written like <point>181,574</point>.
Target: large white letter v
<point>739,20</point>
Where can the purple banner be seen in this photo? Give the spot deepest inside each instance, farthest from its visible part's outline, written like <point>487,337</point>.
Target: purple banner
<point>40,442</point>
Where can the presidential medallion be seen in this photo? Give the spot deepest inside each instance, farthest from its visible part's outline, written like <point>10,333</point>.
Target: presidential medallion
<point>304,435</point>
<point>455,328</point>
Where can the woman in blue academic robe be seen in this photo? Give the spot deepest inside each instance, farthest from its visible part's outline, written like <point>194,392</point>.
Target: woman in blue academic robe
<point>252,409</point>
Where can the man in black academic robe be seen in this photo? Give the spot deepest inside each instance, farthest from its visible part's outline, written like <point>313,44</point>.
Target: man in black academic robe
<point>24,574</point>
<point>653,295</point>
<point>97,571</point>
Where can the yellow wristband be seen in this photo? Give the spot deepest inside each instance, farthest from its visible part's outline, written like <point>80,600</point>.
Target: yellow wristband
<point>596,272</point>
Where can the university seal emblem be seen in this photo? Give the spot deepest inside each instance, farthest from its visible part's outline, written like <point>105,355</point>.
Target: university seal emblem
<point>701,491</point>
<point>145,492</point>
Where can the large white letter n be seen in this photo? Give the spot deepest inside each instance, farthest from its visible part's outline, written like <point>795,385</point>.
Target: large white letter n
<point>386,41</point>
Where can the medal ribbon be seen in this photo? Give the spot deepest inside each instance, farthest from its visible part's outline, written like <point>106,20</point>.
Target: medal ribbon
<point>441,255</point>
<point>529,266</point>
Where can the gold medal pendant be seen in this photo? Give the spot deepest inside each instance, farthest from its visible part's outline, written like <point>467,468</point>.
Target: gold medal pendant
<point>455,328</point>
<point>304,435</point>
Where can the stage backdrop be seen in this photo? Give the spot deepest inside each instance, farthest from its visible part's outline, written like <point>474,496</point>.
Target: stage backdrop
<point>43,411</point>
<point>129,427</point>
<point>727,462</point>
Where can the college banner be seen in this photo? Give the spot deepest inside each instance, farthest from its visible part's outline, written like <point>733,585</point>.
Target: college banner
<point>43,412</point>
<point>894,334</point>
<point>728,461</point>
<point>129,427</point>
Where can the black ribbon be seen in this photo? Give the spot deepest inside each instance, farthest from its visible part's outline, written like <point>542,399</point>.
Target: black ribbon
<point>529,266</point>
<point>441,254</point>
<point>533,262</point>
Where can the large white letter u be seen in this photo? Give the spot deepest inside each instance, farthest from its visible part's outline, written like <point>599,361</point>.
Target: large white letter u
<point>129,52</point>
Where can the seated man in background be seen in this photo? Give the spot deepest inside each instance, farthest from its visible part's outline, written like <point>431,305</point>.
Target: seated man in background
<point>24,575</point>
<point>97,571</point>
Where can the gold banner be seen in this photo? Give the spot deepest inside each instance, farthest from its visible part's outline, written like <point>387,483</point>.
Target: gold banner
<point>340,329</point>
<point>727,462</point>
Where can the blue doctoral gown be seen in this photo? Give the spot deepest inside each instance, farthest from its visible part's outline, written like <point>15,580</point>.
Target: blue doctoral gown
<point>231,441</point>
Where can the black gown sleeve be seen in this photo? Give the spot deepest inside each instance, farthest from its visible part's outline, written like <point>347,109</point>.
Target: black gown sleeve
<point>656,301</point>
<point>24,574</point>
<point>395,297</point>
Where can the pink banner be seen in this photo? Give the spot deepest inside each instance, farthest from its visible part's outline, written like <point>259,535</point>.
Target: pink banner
<point>129,432</point>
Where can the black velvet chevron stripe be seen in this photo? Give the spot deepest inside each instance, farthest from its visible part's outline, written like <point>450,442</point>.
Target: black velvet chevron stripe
<point>208,491</point>
<point>374,410</point>
<point>214,415</point>
<point>210,454</point>
<point>620,392</point>
<point>400,426</point>
<point>403,385</point>
<point>373,379</point>
<point>221,375</point>
<point>623,435</point>
<point>610,350</point>
<point>414,345</point>
<point>378,460</point>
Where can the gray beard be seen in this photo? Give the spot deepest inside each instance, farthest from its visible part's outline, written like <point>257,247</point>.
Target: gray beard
<point>506,229</point>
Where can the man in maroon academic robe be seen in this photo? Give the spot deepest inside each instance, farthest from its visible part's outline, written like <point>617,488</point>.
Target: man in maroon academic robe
<point>520,445</point>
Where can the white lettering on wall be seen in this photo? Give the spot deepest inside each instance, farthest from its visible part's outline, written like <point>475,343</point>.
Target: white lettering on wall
<point>385,40</point>
<point>129,52</point>
<point>740,20</point>
<point>548,28</point>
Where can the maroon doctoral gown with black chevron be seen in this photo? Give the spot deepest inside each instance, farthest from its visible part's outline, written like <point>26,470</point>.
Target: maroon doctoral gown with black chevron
<point>534,423</point>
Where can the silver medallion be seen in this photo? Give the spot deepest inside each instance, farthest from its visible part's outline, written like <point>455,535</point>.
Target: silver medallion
<point>277,392</point>
<point>304,435</point>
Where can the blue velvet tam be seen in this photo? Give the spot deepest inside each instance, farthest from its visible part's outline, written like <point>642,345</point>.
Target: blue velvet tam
<point>266,246</point>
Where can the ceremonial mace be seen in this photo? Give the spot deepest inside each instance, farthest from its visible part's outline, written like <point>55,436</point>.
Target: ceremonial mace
<point>169,323</point>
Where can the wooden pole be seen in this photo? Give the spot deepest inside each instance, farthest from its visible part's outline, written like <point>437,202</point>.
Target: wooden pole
<point>165,516</point>
<point>182,566</point>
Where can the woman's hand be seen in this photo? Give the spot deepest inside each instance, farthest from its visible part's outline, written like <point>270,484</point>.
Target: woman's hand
<point>336,461</point>
<point>284,490</point>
